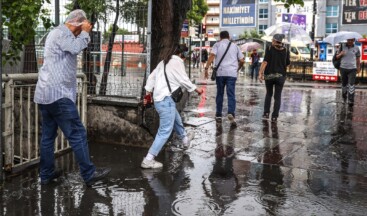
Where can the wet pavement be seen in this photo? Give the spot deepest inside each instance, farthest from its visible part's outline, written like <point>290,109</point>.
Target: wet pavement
<point>311,162</point>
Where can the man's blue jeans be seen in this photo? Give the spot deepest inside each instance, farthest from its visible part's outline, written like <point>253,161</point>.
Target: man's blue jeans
<point>63,113</point>
<point>254,71</point>
<point>230,84</point>
<point>169,119</point>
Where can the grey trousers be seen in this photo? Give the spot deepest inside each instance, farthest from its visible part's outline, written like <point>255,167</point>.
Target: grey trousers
<point>348,83</point>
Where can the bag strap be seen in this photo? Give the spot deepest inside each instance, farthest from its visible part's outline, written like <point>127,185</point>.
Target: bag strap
<point>165,75</point>
<point>224,55</point>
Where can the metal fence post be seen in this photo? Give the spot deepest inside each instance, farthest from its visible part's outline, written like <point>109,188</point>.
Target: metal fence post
<point>304,70</point>
<point>8,129</point>
<point>362,75</point>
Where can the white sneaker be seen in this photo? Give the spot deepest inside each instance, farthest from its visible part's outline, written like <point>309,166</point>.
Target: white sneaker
<point>186,141</point>
<point>232,120</point>
<point>150,164</point>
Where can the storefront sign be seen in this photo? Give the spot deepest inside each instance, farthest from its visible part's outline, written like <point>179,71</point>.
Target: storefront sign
<point>354,12</point>
<point>324,71</point>
<point>185,29</point>
<point>238,13</point>
<point>210,33</point>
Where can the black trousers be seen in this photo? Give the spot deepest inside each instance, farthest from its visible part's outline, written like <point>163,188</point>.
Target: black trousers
<point>271,85</point>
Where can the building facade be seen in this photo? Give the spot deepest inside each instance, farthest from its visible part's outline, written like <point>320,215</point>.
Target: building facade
<point>330,16</point>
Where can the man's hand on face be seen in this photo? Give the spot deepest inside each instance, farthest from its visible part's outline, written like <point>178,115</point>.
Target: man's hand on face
<point>86,26</point>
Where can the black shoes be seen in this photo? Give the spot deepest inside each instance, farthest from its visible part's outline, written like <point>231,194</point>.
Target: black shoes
<point>57,173</point>
<point>98,174</point>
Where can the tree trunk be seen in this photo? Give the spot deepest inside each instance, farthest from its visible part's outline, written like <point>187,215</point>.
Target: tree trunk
<point>88,58</point>
<point>167,19</point>
<point>107,64</point>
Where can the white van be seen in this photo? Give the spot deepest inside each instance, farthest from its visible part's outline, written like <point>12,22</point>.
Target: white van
<point>299,51</point>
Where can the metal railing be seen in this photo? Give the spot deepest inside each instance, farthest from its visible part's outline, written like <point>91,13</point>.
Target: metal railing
<point>22,125</point>
<point>302,70</point>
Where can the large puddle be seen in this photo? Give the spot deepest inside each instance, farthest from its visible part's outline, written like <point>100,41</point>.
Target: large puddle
<point>311,162</point>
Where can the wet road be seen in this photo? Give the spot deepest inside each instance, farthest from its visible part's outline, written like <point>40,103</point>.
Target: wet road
<point>311,162</point>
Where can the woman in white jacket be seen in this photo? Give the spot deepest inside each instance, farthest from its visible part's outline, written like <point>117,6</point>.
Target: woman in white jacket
<point>169,118</point>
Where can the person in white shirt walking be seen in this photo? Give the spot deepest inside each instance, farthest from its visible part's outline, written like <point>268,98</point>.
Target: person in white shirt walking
<point>169,118</point>
<point>227,73</point>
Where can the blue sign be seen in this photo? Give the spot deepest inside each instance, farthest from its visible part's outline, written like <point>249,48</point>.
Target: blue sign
<point>323,51</point>
<point>238,13</point>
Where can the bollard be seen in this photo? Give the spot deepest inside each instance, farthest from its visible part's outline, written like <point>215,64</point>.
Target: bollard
<point>362,76</point>
<point>304,70</point>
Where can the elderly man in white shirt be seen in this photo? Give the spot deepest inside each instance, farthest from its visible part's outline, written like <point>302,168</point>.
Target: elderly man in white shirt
<point>56,94</point>
<point>169,118</point>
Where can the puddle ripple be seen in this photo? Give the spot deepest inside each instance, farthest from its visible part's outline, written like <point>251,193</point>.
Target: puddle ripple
<point>185,207</point>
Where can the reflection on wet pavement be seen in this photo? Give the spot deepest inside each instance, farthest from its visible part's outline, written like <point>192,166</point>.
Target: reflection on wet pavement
<point>311,162</point>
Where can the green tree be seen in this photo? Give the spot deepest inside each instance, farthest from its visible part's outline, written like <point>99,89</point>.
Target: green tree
<point>251,34</point>
<point>120,31</point>
<point>288,3</point>
<point>21,20</point>
<point>197,12</point>
<point>136,11</point>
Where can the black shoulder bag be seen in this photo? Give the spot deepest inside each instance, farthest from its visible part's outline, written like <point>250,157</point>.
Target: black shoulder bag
<point>177,94</point>
<point>337,62</point>
<point>214,74</point>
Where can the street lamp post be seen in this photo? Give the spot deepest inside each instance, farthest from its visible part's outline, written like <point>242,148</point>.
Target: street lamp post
<point>313,29</point>
<point>1,93</point>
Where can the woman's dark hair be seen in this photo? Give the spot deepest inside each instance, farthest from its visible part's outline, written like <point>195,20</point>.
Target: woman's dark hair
<point>175,50</point>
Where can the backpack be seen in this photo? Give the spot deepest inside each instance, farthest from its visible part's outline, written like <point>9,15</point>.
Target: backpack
<point>337,62</point>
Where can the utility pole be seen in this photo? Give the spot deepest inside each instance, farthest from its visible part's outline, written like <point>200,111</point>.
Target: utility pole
<point>313,28</point>
<point>149,37</point>
<point>190,57</point>
<point>201,44</point>
<point>1,92</point>
<point>57,12</point>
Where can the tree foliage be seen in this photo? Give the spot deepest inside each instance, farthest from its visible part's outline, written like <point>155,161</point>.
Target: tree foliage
<point>251,34</point>
<point>135,11</point>
<point>95,9</point>
<point>21,20</point>
<point>288,3</point>
<point>120,31</point>
<point>197,12</point>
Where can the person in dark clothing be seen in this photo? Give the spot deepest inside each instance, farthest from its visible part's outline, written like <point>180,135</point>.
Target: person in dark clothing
<point>204,57</point>
<point>273,71</point>
<point>254,64</point>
